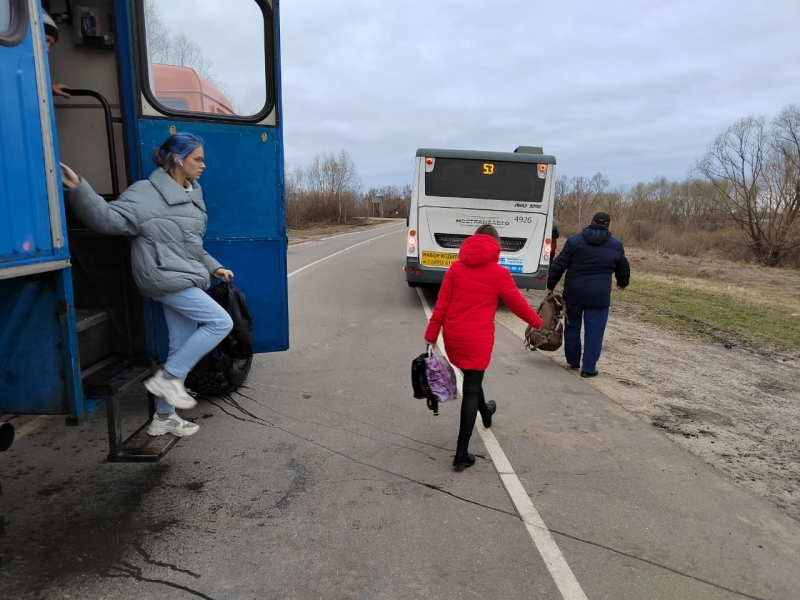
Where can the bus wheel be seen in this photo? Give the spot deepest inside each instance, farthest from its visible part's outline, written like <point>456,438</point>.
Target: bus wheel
<point>413,283</point>
<point>217,376</point>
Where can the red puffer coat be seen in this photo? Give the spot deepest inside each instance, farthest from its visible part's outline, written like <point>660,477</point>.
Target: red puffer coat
<point>467,303</point>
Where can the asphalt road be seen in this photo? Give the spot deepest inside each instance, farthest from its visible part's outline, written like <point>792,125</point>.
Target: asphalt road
<point>324,478</point>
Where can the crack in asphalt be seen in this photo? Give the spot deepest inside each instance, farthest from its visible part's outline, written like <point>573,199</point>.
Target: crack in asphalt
<point>341,414</point>
<point>335,427</point>
<point>655,564</point>
<point>157,563</point>
<point>231,402</point>
<point>127,570</point>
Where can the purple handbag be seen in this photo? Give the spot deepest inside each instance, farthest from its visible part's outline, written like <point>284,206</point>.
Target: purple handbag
<point>441,377</point>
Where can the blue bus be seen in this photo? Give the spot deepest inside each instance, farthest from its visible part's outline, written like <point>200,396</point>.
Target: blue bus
<point>74,331</point>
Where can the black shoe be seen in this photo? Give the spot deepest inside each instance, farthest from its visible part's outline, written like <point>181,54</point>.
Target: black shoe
<point>571,366</point>
<point>491,408</point>
<point>463,458</point>
<point>585,374</point>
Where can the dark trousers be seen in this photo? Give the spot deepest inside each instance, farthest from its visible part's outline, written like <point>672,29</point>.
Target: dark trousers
<point>472,402</point>
<point>594,326</point>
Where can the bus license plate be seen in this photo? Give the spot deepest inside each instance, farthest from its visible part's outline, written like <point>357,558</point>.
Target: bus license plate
<point>438,259</point>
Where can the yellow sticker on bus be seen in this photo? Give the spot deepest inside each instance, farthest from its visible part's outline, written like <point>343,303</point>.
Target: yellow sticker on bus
<point>431,258</point>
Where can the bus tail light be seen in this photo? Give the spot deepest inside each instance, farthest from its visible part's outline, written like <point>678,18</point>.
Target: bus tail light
<point>542,171</point>
<point>412,242</point>
<point>546,250</point>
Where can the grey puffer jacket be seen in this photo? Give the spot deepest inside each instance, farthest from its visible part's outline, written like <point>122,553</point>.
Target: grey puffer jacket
<point>168,223</point>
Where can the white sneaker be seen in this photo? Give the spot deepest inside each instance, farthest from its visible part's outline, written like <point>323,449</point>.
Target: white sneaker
<point>172,424</point>
<point>171,390</point>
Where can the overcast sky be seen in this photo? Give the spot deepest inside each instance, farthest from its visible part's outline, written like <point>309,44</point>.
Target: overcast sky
<point>632,88</point>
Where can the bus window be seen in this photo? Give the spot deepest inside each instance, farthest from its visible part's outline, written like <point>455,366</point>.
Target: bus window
<point>13,22</point>
<point>5,16</point>
<point>188,74</point>
<point>484,179</point>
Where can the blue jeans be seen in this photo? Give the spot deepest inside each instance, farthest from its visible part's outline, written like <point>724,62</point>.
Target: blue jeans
<point>196,324</point>
<point>594,321</point>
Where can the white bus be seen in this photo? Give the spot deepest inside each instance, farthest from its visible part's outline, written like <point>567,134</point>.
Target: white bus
<point>455,191</point>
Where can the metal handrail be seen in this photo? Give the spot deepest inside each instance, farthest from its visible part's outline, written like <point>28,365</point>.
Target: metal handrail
<point>112,146</point>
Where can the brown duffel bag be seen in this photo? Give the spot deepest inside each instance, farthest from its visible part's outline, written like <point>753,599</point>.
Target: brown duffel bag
<point>550,335</point>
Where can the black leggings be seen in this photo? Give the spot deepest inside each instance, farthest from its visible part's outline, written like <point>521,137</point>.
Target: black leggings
<point>471,403</point>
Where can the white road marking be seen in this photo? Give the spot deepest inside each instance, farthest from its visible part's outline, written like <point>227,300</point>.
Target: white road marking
<point>330,237</point>
<point>316,262</point>
<point>556,563</point>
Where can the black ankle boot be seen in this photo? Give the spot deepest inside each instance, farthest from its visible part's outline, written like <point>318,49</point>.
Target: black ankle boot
<point>463,458</point>
<point>486,416</point>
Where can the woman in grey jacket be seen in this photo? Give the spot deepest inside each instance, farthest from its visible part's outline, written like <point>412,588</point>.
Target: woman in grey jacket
<point>166,216</point>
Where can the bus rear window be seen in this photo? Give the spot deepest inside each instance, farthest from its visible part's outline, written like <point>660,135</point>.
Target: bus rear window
<point>484,180</point>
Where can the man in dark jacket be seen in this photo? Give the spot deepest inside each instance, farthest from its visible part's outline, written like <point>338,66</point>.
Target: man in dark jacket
<point>589,258</point>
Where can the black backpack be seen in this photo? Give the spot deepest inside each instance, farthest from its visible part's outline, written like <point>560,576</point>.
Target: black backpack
<point>228,365</point>
<point>419,383</point>
<point>239,343</point>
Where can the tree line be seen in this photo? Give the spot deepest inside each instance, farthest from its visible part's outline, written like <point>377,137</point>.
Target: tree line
<point>329,190</point>
<point>740,199</point>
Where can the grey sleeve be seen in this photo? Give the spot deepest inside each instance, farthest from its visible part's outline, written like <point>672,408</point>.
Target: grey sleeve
<point>111,218</point>
<point>211,263</point>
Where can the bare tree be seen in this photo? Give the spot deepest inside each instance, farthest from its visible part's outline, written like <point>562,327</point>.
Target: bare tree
<point>293,190</point>
<point>178,50</point>
<point>574,196</point>
<point>159,39</point>
<point>560,192</point>
<point>754,170</point>
<point>332,185</point>
<point>186,53</point>
<point>396,201</point>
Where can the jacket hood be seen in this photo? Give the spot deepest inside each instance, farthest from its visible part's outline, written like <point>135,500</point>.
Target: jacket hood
<point>174,193</point>
<point>597,235</point>
<point>478,250</point>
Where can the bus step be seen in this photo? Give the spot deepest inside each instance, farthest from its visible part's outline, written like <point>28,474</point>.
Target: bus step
<point>109,383</point>
<point>141,447</point>
<point>95,338</point>
<point>113,379</point>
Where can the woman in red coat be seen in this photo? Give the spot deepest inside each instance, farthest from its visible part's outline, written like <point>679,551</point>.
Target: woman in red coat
<point>466,307</point>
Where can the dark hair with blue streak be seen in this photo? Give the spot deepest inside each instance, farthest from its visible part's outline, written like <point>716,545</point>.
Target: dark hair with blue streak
<point>179,144</point>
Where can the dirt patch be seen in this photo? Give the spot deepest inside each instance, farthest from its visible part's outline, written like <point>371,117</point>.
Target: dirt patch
<point>737,410</point>
<point>310,234</point>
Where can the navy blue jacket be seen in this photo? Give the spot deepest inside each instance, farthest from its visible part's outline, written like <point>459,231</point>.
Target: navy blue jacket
<point>589,258</point>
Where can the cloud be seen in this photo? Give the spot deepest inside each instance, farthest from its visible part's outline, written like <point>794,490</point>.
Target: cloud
<point>635,89</point>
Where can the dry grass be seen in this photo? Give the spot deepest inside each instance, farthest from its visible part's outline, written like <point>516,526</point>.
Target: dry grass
<point>741,305</point>
<point>316,232</point>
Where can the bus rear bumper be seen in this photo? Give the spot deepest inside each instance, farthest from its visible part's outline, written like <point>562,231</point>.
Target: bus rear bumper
<point>531,281</point>
<point>417,274</point>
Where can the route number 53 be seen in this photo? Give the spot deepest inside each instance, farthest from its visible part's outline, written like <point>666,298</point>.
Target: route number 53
<point>488,169</point>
